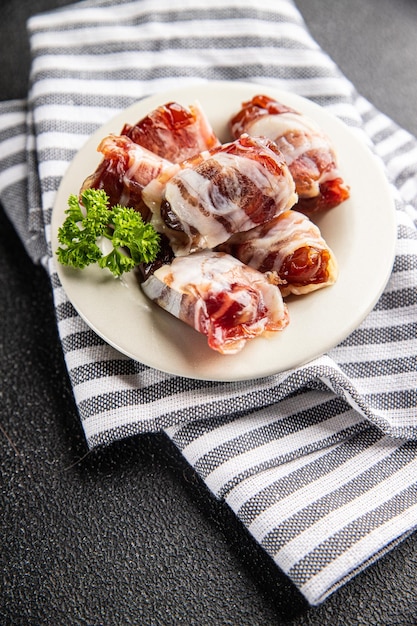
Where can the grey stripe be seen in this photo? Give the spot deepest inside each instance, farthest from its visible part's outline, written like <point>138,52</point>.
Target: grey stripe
<point>405,232</point>
<point>65,311</point>
<point>50,183</point>
<point>341,541</point>
<point>370,114</point>
<point>409,171</point>
<point>269,432</point>
<point>84,100</point>
<point>384,134</point>
<point>12,106</point>
<point>12,131</point>
<point>115,434</point>
<point>204,42</point>
<point>399,151</point>
<point>17,158</point>
<point>80,127</point>
<point>83,339</point>
<point>56,154</point>
<point>388,367</point>
<point>384,334</point>
<point>405,262</point>
<point>397,299</point>
<point>389,400</point>
<point>195,429</point>
<point>153,392</point>
<point>102,369</point>
<point>307,474</point>
<point>277,70</point>
<point>55,282</point>
<point>367,480</point>
<point>227,72</point>
<point>279,459</point>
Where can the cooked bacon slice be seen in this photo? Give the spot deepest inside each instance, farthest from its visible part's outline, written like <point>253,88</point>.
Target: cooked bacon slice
<point>307,150</point>
<point>174,132</point>
<point>124,171</point>
<point>293,247</point>
<point>219,192</point>
<point>220,297</point>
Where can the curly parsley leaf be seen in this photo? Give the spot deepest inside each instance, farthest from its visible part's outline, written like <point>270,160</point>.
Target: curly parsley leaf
<point>90,218</point>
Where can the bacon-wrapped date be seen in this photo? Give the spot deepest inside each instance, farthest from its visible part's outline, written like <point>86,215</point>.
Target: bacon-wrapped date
<point>126,168</point>
<point>293,247</point>
<point>174,132</point>
<point>307,150</point>
<point>229,189</point>
<point>220,297</point>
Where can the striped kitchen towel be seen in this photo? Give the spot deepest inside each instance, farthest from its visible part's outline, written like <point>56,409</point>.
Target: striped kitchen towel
<point>319,463</point>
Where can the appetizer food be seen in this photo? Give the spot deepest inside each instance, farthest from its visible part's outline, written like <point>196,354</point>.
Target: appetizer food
<point>211,227</point>
<point>293,247</point>
<point>126,168</point>
<point>218,296</point>
<point>174,132</point>
<point>220,192</point>
<point>307,150</point>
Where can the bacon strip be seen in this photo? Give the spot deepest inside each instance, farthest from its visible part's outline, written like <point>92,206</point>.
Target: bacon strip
<point>307,150</point>
<point>229,189</point>
<point>220,297</point>
<point>293,247</point>
<point>124,171</point>
<point>174,132</point>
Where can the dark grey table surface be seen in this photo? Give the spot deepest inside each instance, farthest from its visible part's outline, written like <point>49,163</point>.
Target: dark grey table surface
<point>128,535</point>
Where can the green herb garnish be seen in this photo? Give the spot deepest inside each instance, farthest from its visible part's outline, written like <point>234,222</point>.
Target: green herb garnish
<point>90,218</point>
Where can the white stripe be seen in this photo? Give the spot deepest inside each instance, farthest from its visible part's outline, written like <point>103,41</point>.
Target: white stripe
<point>70,325</point>
<point>13,174</point>
<point>381,319</point>
<point>345,111</point>
<point>409,189</point>
<point>78,115</point>
<point>394,142</point>
<point>124,88</point>
<point>67,141</point>
<point>308,87</point>
<point>375,352</point>
<point>48,199</point>
<point>60,298</point>
<point>119,384</point>
<point>97,354</point>
<point>376,125</point>
<point>47,228</point>
<point>12,120</point>
<point>196,58</point>
<point>13,145</point>
<point>52,168</point>
<point>398,163</point>
<point>66,16</point>
<point>401,419</point>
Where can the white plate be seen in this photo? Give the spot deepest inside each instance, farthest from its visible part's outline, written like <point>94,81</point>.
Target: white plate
<point>361,232</point>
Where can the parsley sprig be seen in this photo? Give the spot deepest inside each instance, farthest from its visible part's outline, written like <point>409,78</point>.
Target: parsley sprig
<point>90,218</point>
